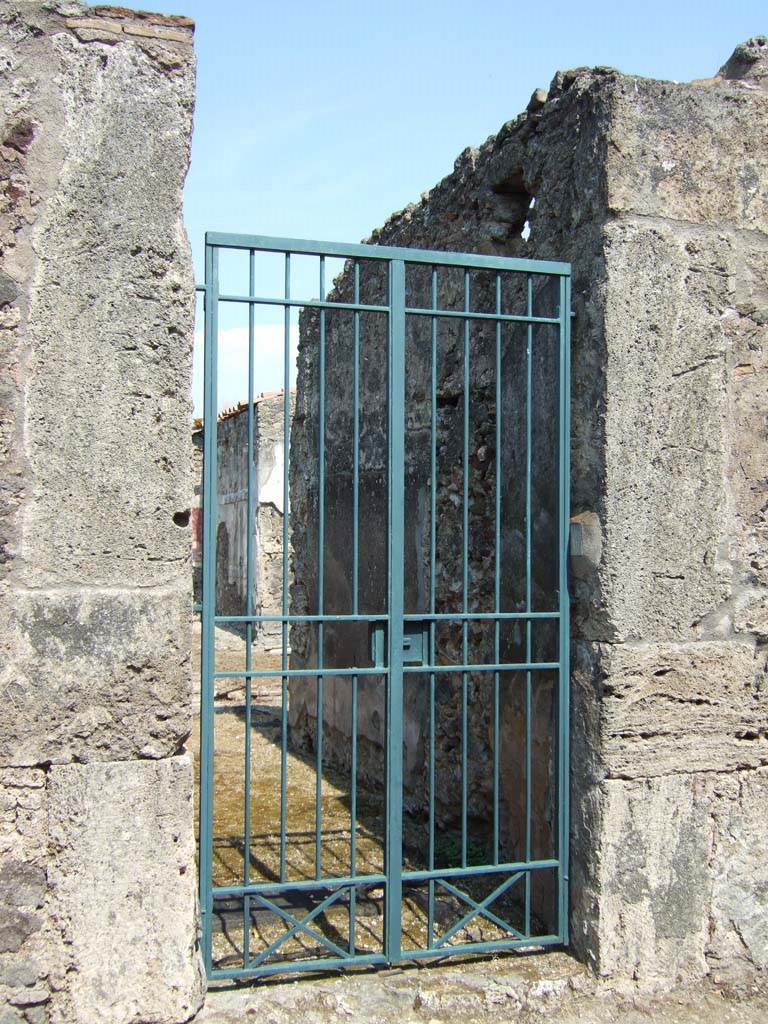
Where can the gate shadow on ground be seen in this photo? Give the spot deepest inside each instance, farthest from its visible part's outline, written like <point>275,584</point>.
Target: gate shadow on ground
<point>301,848</point>
<point>266,724</point>
<point>300,836</point>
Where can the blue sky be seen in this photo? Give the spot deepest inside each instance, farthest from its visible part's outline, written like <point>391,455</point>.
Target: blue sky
<point>318,120</point>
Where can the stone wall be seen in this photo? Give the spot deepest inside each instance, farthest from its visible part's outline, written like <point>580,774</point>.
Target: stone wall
<point>97,860</point>
<point>232,526</point>
<point>656,192</point>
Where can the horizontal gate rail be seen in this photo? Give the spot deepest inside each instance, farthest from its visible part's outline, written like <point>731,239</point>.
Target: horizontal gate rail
<point>459,314</point>
<point>439,617</point>
<point>346,250</point>
<point>512,666</point>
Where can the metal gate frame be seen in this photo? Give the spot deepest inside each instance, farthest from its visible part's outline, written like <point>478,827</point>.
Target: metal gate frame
<point>394,876</point>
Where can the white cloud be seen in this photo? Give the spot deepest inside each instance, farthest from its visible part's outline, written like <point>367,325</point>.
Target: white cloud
<point>268,356</point>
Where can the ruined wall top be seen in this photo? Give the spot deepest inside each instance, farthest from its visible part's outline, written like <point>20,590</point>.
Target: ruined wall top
<point>581,147</point>
<point>106,24</point>
<point>748,63</point>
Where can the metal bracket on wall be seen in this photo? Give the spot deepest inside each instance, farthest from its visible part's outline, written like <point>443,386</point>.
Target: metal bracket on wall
<point>415,643</point>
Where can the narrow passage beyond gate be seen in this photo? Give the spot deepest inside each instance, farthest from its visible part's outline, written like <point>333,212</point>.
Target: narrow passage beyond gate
<point>390,783</point>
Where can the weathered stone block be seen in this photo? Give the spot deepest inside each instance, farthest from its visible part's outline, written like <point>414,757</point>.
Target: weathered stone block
<point>97,676</point>
<point>16,927</point>
<point>10,1016</point>
<point>665,457</point>
<point>671,152</point>
<point>123,880</point>
<point>738,942</point>
<point>23,884</point>
<point>105,432</point>
<point>677,708</point>
<point>17,973</point>
<point>681,887</point>
<point>652,883</point>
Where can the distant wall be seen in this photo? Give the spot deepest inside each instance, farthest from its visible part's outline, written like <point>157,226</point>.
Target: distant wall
<point>656,193</point>
<point>97,859</point>
<point>267,527</point>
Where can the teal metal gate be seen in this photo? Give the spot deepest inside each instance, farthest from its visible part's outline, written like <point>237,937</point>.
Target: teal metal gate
<point>392,783</point>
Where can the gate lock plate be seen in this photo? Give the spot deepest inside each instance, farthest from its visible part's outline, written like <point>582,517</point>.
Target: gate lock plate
<point>415,644</point>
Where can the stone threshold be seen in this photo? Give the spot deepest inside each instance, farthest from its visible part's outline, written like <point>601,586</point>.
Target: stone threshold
<point>526,989</point>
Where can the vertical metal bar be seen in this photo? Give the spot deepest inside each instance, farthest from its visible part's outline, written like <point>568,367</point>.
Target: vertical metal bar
<point>353,826</point>
<point>210,499</point>
<point>249,567</point>
<point>285,602</point>
<point>394,839</point>
<point>563,605</point>
<point>320,588</point>
<point>497,583</point>
<point>528,591</point>
<point>432,609</point>
<point>355,595</point>
<point>465,582</point>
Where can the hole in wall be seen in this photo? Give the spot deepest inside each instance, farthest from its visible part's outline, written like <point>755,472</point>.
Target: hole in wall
<point>181,519</point>
<point>514,206</point>
<point>525,234</point>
